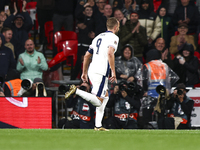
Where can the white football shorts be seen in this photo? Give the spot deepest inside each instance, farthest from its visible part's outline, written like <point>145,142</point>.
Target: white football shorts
<point>99,84</point>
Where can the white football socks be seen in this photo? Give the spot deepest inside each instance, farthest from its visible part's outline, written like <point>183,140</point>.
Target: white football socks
<point>89,97</point>
<point>100,113</point>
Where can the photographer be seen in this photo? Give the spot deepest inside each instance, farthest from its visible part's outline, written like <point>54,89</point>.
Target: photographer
<point>82,115</point>
<point>126,103</point>
<point>180,107</point>
<point>35,89</point>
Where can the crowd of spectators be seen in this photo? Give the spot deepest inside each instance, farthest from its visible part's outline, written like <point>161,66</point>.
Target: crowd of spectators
<point>145,33</point>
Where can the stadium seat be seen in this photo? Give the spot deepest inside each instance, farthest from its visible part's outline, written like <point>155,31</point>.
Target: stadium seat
<point>31,5</point>
<point>67,46</point>
<point>48,27</point>
<point>156,4</point>
<point>61,36</point>
<point>69,50</point>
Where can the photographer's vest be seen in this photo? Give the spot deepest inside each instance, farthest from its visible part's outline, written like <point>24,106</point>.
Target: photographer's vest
<point>123,110</point>
<point>14,86</point>
<point>82,111</point>
<point>157,76</point>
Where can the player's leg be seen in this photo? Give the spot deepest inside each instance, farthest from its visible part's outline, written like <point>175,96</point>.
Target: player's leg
<point>100,112</point>
<point>95,98</point>
<point>85,95</point>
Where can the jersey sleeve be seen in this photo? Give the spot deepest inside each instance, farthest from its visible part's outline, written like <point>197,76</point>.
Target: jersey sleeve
<point>114,42</point>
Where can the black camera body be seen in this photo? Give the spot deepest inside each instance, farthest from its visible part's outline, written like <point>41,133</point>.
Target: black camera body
<point>131,88</point>
<point>179,92</point>
<point>63,88</point>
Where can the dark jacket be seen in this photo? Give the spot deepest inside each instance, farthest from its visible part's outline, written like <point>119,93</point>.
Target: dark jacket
<point>136,40</point>
<point>45,4</point>
<point>100,23</point>
<point>188,72</point>
<point>20,35</point>
<point>83,111</point>
<point>191,12</point>
<point>186,108</point>
<point>65,7</point>
<point>7,60</point>
<point>89,22</point>
<point>167,29</point>
<point>167,4</point>
<point>119,102</point>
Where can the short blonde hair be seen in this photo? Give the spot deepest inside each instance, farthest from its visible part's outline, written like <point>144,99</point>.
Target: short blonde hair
<point>111,22</point>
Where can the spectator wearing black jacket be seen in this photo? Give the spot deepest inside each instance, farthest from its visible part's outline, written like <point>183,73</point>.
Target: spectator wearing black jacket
<point>7,60</point>
<point>186,66</point>
<point>85,24</point>
<point>44,13</point>
<point>100,19</point>
<point>63,16</point>
<point>186,13</point>
<point>20,24</point>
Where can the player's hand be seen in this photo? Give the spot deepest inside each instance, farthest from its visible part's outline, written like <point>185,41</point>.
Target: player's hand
<point>113,79</point>
<point>21,61</point>
<point>39,60</point>
<point>84,77</point>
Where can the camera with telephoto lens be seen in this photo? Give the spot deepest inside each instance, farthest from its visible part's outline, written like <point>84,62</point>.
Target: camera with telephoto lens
<point>40,86</point>
<point>63,88</point>
<point>161,90</point>
<point>27,84</point>
<point>1,84</point>
<point>132,88</point>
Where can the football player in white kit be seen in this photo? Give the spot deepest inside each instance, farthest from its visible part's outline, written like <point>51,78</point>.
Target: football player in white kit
<point>102,52</point>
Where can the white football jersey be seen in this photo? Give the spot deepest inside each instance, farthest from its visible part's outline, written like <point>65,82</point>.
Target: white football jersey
<point>99,49</point>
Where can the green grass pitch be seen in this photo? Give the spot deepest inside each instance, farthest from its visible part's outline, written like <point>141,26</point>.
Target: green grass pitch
<point>65,139</point>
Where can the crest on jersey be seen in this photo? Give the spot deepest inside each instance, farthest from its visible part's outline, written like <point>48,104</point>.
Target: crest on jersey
<point>115,42</point>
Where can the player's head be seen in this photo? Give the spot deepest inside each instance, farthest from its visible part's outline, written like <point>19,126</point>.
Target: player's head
<point>113,24</point>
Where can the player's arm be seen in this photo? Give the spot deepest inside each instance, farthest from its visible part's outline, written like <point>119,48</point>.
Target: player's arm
<point>111,60</point>
<point>86,62</point>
